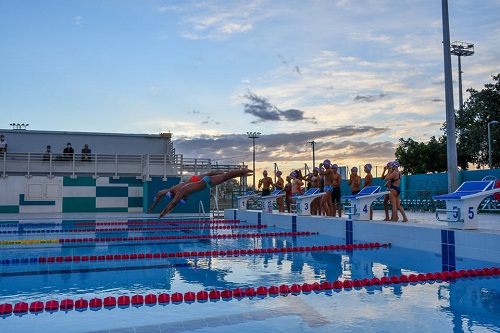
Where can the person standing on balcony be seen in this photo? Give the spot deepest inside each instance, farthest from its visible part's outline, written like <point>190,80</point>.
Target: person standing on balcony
<point>3,144</point>
<point>86,153</point>
<point>68,152</point>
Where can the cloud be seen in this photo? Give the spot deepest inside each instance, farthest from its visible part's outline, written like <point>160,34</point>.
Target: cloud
<point>343,144</point>
<point>265,111</point>
<point>370,98</point>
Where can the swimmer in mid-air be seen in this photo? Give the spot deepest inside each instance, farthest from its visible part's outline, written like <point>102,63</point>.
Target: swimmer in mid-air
<point>206,182</point>
<point>170,192</point>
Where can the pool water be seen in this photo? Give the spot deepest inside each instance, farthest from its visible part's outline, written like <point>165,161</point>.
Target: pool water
<point>469,304</point>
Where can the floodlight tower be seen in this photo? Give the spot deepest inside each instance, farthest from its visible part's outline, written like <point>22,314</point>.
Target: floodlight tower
<point>253,136</point>
<point>461,49</point>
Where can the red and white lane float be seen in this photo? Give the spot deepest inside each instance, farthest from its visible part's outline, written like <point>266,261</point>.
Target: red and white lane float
<point>110,302</point>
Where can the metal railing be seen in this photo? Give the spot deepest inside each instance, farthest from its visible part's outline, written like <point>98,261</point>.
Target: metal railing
<point>100,165</point>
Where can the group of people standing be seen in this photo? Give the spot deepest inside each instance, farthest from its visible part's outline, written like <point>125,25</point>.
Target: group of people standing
<point>327,178</point>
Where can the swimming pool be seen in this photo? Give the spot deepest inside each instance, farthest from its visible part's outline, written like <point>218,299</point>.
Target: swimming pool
<point>105,260</point>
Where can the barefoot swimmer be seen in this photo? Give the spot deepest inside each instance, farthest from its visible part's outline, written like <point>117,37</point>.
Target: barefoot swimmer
<point>206,182</point>
<point>170,192</point>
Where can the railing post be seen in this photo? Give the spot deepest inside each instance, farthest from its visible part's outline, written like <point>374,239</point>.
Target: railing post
<point>50,166</point>
<point>116,165</point>
<point>95,166</point>
<point>164,167</point>
<point>73,176</point>
<point>29,166</point>
<point>4,166</point>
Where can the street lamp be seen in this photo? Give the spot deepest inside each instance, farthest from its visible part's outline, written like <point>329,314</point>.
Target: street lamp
<point>314,158</point>
<point>489,139</point>
<point>253,136</point>
<point>461,49</point>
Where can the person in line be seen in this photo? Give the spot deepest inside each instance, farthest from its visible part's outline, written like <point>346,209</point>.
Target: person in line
<point>385,173</point>
<point>172,191</point>
<point>279,185</point>
<point>326,199</point>
<point>316,183</point>
<point>394,178</point>
<point>368,177</point>
<point>337,181</point>
<point>354,181</point>
<point>288,192</point>
<point>3,144</point>
<point>368,182</point>
<point>47,152</point>
<point>68,152</point>
<point>86,153</point>
<point>206,182</point>
<point>266,183</point>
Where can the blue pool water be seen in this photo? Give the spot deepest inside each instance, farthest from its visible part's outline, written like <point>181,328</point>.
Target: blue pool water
<point>462,305</point>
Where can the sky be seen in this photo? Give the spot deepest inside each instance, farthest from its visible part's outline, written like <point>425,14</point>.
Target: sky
<point>352,76</point>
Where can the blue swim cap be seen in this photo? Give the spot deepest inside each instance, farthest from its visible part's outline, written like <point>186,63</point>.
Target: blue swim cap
<point>335,166</point>
<point>265,172</point>
<point>182,201</point>
<point>396,164</point>
<point>279,172</point>
<point>368,166</point>
<point>168,194</point>
<point>326,162</point>
<point>293,174</point>
<point>316,169</point>
<point>354,169</point>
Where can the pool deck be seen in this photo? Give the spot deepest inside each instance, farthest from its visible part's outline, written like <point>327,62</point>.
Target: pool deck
<point>487,222</point>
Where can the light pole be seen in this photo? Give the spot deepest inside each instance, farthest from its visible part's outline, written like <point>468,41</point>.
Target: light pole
<point>253,136</point>
<point>451,142</point>
<point>314,159</point>
<point>489,140</point>
<point>461,49</point>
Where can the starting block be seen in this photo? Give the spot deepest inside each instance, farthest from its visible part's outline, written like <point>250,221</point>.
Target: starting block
<point>461,205</point>
<point>268,201</point>
<point>243,199</point>
<point>359,207</point>
<point>304,201</point>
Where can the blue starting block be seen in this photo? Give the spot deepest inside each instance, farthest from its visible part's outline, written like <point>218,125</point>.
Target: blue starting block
<point>243,199</point>
<point>461,205</point>
<point>359,204</point>
<point>268,201</point>
<point>304,201</point>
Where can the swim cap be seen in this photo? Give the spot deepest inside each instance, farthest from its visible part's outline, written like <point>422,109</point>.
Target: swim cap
<point>354,169</point>
<point>265,172</point>
<point>335,166</point>
<point>168,194</point>
<point>279,172</point>
<point>390,164</point>
<point>182,201</point>
<point>316,169</point>
<point>195,179</point>
<point>326,162</point>
<point>293,174</point>
<point>368,166</point>
<point>396,164</point>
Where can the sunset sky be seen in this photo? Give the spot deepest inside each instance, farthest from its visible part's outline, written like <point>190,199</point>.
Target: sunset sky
<point>352,76</point>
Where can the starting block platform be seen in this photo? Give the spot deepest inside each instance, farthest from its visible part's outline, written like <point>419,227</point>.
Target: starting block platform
<point>268,200</point>
<point>304,201</point>
<point>243,199</point>
<point>360,204</point>
<point>462,205</point>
